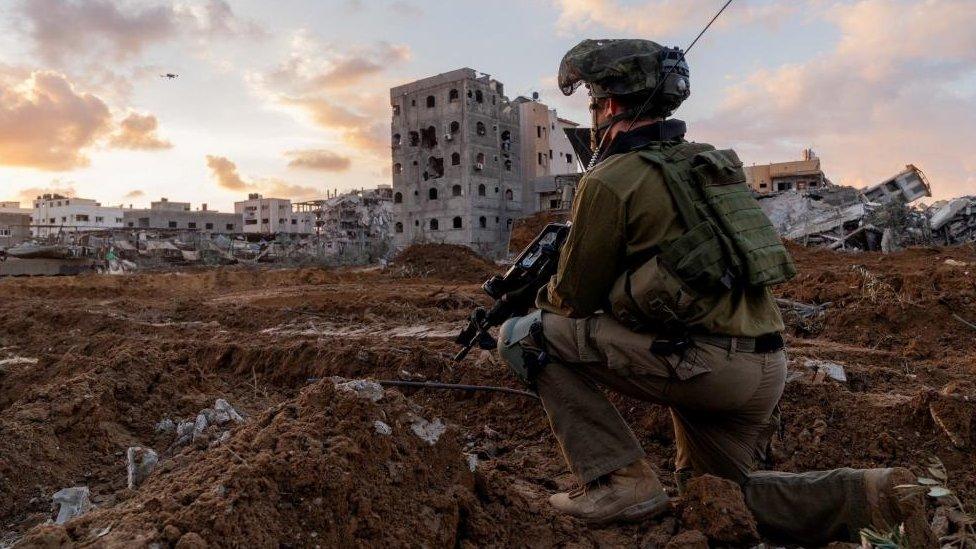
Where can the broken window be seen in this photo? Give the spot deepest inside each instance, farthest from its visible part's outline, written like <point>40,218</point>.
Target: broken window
<point>478,96</point>
<point>413,102</point>
<point>506,140</point>
<point>433,224</point>
<point>455,159</point>
<point>396,110</point>
<point>428,137</point>
<point>480,158</point>
<point>482,222</point>
<point>456,222</point>
<point>453,96</point>
<point>432,194</point>
<point>398,168</point>
<point>431,101</point>
<point>455,127</point>
<point>508,194</point>
<point>481,128</point>
<point>191,225</point>
<point>414,139</point>
<point>398,227</point>
<point>508,165</point>
<point>416,222</point>
<point>508,223</point>
<point>469,94</point>
<point>481,190</point>
<point>569,158</point>
<point>538,132</point>
<point>398,198</point>
<point>397,140</point>
<point>540,158</point>
<point>435,167</point>
<point>456,190</point>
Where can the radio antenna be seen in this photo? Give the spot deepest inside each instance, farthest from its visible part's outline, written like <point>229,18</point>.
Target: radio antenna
<point>657,87</point>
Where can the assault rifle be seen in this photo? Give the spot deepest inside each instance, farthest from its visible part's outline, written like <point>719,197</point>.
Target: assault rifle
<point>514,292</point>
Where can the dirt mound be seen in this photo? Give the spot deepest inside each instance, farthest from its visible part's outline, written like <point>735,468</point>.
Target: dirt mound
<point>527,228</point>
<point>920,301</point>
<point>329,467</point>
<point>715,507</point>
<point>442,261</point>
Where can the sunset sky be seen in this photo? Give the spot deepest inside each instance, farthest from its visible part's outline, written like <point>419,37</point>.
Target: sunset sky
<point>291,98</point>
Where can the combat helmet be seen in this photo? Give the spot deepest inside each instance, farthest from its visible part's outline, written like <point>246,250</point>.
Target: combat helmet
<point>617,67</point>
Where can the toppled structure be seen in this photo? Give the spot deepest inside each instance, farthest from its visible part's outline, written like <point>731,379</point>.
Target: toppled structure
<point>953,221</point>
<point>837,217</point>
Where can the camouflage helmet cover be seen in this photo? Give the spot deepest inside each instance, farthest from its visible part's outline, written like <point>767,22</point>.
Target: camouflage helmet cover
<point>624,66</point>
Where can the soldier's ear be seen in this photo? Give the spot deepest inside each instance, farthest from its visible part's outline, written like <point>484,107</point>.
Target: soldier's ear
<point>613,106</point>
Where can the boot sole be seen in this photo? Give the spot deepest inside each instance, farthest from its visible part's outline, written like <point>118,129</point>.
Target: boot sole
<point>643,510</point>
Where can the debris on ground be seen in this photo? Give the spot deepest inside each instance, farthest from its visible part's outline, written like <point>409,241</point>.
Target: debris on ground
<point>140,463</point>
<point>823,369</point>
<point>73,502</point>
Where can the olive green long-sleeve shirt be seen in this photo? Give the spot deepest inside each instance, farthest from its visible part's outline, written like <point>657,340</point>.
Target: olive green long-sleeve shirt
<point>622,212</point>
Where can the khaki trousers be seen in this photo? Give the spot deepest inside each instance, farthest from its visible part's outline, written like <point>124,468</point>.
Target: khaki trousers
<point>723,406</point>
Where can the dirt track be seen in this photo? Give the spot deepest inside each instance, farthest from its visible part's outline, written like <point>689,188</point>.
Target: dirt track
<point>115,355</point>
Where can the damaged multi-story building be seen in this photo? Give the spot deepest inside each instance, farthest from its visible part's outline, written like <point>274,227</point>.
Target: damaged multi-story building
<point>794,175</point>
<point>456,161</point>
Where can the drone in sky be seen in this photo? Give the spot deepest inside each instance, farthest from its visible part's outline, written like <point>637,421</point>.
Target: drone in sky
<point>169,75</point>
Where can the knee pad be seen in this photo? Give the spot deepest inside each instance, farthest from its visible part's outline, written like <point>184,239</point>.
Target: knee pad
<point>521,345</point>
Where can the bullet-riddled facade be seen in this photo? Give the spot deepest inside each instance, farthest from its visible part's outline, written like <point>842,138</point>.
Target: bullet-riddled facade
<point>456,162</point>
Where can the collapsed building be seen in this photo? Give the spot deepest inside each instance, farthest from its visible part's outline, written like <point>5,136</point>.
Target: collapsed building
<point>879,217</point>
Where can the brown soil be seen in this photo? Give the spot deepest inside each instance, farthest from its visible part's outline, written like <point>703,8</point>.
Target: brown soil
<point>715,507</point>
<point>442,261</point>
<point>527,228</point>
<point>115,355</point>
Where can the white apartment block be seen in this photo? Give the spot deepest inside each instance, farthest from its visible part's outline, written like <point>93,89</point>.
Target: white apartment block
<point>262,215</point>
<point>53,213</point>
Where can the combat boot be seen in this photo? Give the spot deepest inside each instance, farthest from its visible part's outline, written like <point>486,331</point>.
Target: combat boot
<point>889,508</point>
<point>628,494</point>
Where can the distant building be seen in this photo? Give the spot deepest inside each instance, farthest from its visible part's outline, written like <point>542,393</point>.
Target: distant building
<point>546,152</point>
<point>262,215</point>
<point>15,224</point>
<point>456,161</point>
<point>53,213</point>
<point>784,176</point>
<point>165,215</point>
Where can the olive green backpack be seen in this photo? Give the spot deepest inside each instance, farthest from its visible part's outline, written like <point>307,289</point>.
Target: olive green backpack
<point>730,242</point>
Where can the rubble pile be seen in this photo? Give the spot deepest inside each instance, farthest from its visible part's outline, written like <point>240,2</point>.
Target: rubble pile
<point>953,221</point>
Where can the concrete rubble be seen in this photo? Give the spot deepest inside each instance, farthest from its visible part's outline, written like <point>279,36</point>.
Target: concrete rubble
<point>363,388</point>
<point>208,424</point>
<point>881,217</point>
<point>429,431</point>
<point>74,502</point>
<point>140,463</point>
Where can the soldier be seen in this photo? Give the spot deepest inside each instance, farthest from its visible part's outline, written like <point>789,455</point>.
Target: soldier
<point>662,294</point>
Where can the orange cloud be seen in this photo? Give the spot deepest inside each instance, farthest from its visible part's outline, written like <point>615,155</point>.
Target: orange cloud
<point>135,194</point>
<point>318,159</point>
<point>225,172</point>
<point>46,124</point>
<point>878,101</point>
<point>138,132</point>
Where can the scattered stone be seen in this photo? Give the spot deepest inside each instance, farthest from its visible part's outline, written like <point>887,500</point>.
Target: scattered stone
<point>715,507</point>
<point>363,388</point>
<point>166,425</point>
<point>382,428</point>
<point>140,463</point>
<point>184,433</point>
<point>824,368</point>
<point>74,502</point>
<point>200,425</point>
<point>956,263</point>
<point>223,410</point>
<point>429,431</point>
<point>473,461</point>
<point>689,539</point>
<point>17,360</point>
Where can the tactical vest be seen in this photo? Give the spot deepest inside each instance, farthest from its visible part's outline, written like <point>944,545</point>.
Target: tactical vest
<point>729,242</point>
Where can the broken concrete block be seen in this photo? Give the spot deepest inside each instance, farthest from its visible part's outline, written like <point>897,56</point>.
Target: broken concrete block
<point>429,431</point>
<point>363,388</point>
<point>825,368</point>
<point>166,426</point>
<point>382,428</point>
<point>140,463</point>
<point>955,263</point>
<point>74,502</point>
<point>200,425</point>
<point>472,460</point>
<point>184,433</point>
<point>224,410</point>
